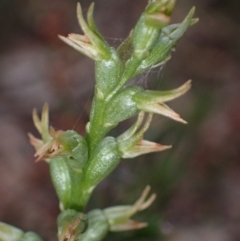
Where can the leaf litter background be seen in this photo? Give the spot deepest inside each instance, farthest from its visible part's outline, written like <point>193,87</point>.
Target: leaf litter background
<point>197,181</point>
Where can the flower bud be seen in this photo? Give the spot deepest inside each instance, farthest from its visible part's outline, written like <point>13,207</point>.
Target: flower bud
<point>104,159</point>
<point>71,225</point>
<point>108,73</point>
<point>30,236</point>
<point>168,38</point>
<point>148,28</point>
<point>144,36</point>
<point>122,106</point>
<point>98,226</point>
<point>10,233</point>
<point>66,181</point>
<point>74,148</point>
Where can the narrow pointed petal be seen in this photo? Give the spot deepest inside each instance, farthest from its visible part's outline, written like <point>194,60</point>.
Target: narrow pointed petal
<point>144,147</point>
<point>132,130</point>
<point>42,125</point>
<point>101,45</point>
<point>45,123</point>
<point>162,109</point>
<point>37,143</point>
<point>126,146</point>
<point>36,121</point>
<point>150,96</point>
<point>88,50</point>
<point>42,151</point>
<point>142,203</point>
<point>91,22</point>
<point>129,225</point>
<point>178,33</point>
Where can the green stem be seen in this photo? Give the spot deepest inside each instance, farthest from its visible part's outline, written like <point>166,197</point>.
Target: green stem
<point>96,132</point>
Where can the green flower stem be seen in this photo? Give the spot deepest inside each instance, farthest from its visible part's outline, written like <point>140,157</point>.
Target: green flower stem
<point>79,164</point>
<point>96,130</point>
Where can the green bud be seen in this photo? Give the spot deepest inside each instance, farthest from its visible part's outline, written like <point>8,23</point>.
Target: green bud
<point>66,181</point>
<point>74,148</point>
<point>104,159</point>
<point>30,236</point>
<point>10,233</point>
<point>67,168</point>
<point>71,225</point>
<point>148,28</point>
<point>98,226</point>
<point>75,226</point>
<point>168,38</point>
<point>101,163</point>
<point>122,106</point>
<point>108,73</point>
<point>146,33</point>
<point>165,6</point>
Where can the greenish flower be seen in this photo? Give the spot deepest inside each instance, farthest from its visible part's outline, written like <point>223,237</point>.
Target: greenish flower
<point>91,44</point>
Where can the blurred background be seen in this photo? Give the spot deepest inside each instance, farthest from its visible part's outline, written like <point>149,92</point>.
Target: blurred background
<point>197,181</point>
